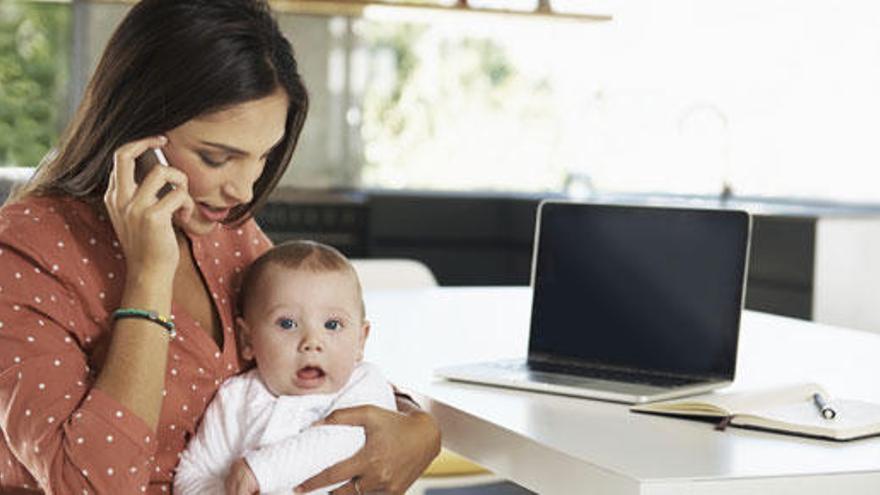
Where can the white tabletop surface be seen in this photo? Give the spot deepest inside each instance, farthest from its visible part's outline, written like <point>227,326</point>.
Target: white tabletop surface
<point>556,444</point>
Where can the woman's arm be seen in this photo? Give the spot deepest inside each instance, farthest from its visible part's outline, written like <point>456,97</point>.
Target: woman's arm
<point>134,372</point>
<point>69,436</point>
<point>72,436</point>
<point>400,446</point>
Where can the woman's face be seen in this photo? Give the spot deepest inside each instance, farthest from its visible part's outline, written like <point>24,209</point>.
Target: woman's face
<point>223,154</point>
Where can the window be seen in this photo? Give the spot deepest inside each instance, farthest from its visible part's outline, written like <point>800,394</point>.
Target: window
<point>468,104</point>
<point>682,96</point>
<point>765,100</point>
<point>34,41</point>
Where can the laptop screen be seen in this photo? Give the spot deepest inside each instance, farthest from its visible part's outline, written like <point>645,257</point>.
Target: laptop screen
<point>645,288</point>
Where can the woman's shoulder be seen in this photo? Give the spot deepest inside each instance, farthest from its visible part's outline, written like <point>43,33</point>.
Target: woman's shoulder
<point>44,202</point>
<point>33,219</point>
<point>67,236</point>
<point>59,250</point>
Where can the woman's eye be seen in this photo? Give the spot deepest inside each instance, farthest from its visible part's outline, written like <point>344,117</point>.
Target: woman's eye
<point>286,323</point>
<point>211,161</point>
<point>333,325</point>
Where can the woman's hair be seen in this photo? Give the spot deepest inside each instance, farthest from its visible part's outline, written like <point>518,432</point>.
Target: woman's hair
<point>294,255</point>
<point>168,62</point>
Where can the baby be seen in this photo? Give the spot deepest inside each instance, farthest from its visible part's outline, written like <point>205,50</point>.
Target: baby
<point>302,320</point>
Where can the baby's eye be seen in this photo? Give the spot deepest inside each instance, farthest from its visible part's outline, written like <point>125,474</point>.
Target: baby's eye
<point>333,325</point>
<point>286,323</point>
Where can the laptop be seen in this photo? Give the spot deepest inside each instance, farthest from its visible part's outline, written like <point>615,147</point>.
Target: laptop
<point>630,304</point>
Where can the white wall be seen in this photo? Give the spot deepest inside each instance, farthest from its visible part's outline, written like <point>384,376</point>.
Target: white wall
<point>847,273</point>
<point>780,96</point>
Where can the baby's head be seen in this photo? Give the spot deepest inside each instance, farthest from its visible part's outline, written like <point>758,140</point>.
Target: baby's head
<point>302,318</point>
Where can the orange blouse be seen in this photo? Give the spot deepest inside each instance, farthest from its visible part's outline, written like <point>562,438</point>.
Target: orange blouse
<point>62,272</point>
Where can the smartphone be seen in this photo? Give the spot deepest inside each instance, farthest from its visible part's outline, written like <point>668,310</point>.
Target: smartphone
<point>144,163</point>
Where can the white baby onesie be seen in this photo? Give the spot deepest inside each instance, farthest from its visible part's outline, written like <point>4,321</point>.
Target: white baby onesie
<point>274,434</point>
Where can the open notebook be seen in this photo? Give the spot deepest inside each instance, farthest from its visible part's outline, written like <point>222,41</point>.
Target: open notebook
<point>788,409</point>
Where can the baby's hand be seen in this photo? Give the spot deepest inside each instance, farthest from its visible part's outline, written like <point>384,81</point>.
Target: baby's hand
<point>241,480</point>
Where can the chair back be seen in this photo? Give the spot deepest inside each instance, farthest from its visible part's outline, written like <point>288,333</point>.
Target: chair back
<point>393,273</point>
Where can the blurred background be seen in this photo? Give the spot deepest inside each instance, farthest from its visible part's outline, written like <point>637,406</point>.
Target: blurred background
<point>437,126</point>
<point>766,98</point>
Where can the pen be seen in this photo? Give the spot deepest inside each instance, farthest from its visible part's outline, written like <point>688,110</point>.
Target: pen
<point>825,409</point>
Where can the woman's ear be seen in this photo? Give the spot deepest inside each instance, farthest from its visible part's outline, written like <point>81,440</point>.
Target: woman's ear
<point>244,338</point>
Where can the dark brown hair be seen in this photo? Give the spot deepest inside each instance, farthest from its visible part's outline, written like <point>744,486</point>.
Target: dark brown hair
<point>168,62</point>
<point>295,255</point>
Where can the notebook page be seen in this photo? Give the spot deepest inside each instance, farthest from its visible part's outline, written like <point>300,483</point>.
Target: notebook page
<point>854,418</point>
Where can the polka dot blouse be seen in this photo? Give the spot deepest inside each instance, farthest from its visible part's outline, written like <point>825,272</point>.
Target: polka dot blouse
<point>62,272</point>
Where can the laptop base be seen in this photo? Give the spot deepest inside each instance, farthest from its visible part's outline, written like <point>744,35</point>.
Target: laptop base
<point>516,374</point>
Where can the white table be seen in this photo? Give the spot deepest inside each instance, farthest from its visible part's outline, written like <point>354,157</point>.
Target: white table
<point>554,444</point>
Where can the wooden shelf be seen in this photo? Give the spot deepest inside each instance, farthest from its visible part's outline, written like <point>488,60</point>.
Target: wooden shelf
<point>356,8</point>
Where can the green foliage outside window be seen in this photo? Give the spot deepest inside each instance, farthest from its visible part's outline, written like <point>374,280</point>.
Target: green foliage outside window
<point>34,51</point>
<point>450,109</point>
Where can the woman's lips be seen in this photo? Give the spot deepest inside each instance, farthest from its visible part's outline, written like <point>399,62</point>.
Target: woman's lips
<point>213,214</point>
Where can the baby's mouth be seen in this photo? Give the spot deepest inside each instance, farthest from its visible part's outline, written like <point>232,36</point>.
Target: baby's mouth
<point>310,373</point>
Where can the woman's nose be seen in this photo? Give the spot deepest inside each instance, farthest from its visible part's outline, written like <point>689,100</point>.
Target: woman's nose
<point>239,191</point>
<point>239,187</point>
<point>241,179</point>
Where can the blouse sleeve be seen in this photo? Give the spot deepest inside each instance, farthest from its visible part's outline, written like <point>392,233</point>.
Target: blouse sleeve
<point>71,438</point>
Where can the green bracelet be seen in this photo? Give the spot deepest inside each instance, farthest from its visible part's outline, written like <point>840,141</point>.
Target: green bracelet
<point>166,323</point>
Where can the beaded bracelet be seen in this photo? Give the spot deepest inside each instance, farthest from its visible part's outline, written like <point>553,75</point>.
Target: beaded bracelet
<point>165,322</point>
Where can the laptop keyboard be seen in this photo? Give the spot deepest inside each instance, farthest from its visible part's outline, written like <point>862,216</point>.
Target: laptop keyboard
<point>612,375</point>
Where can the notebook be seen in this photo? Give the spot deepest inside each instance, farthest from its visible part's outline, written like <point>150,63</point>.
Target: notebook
<point>630,303</point>
<point>789,409</point>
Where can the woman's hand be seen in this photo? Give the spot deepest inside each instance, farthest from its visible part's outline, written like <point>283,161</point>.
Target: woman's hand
<point>398,449</point>
<point>142,221</point>
<point>241,480</point>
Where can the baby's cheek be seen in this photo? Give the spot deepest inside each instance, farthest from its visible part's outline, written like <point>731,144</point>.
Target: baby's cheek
<point>347,367</point>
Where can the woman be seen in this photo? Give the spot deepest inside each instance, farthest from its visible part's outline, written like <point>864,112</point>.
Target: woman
<point>98,272</point>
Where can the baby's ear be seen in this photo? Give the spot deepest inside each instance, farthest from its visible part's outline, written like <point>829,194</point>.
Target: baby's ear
<point>244,338</point>
<point>365,332</point>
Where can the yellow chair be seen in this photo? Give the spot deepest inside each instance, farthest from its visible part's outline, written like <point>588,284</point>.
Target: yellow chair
<point>448,463</point>
<point>448,469</point>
